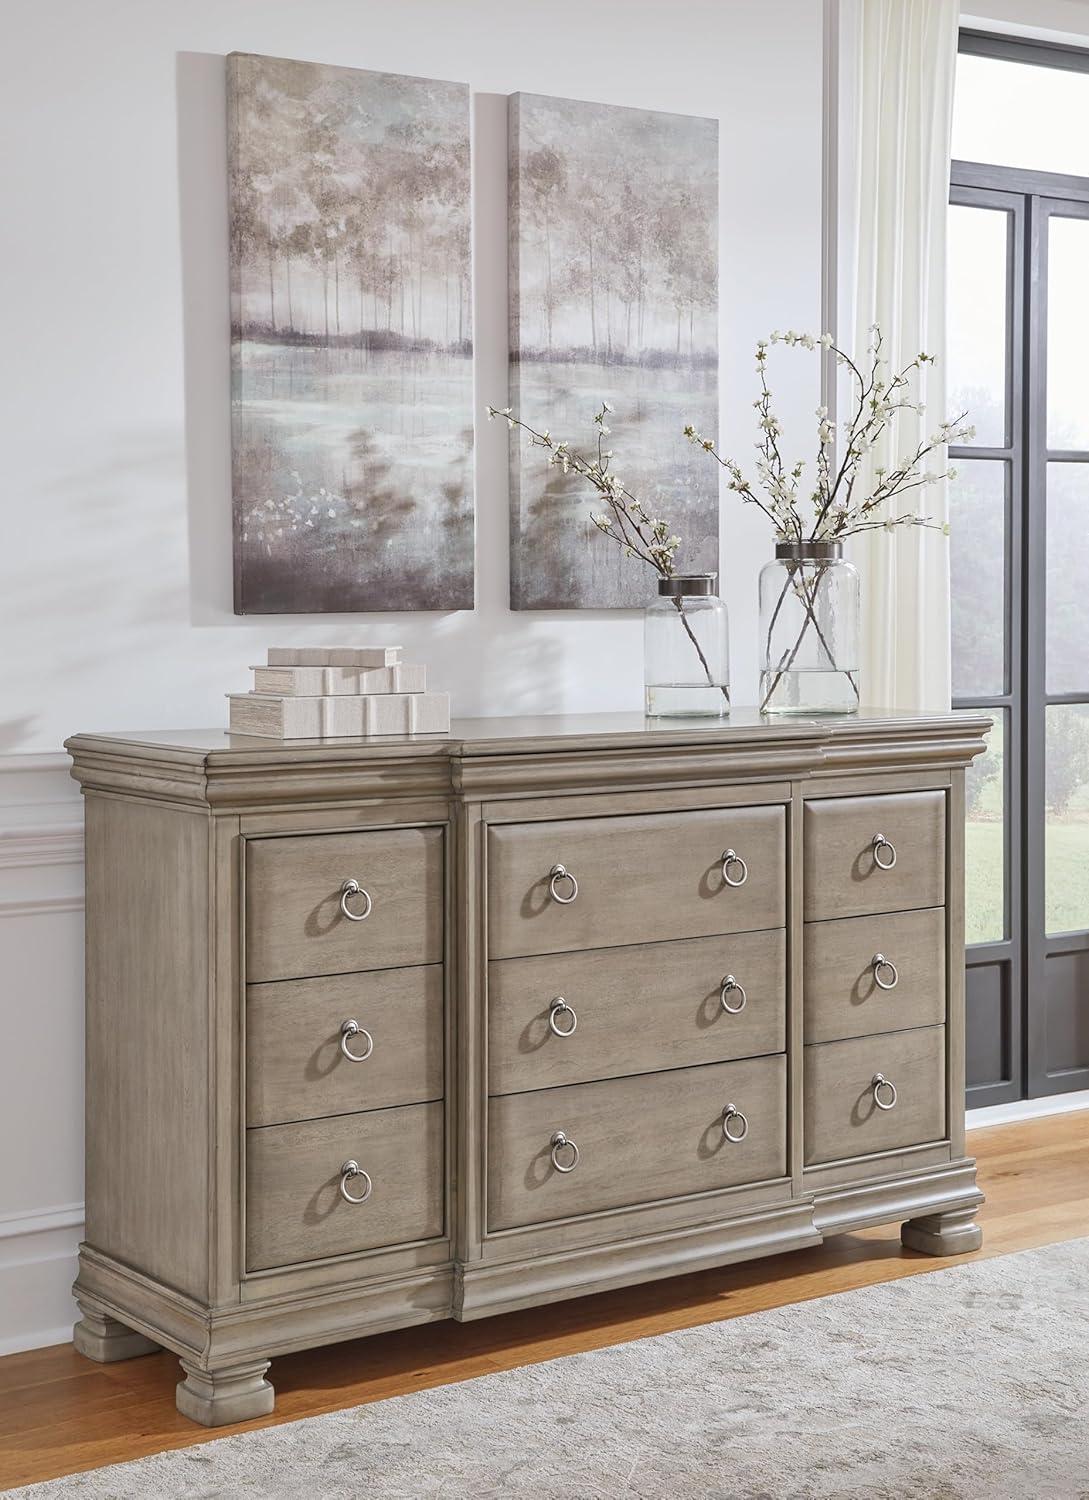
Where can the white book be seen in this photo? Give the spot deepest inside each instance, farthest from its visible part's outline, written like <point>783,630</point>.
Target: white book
<point>334,656</point>
<point>323,682</point>
<point>339,715</point>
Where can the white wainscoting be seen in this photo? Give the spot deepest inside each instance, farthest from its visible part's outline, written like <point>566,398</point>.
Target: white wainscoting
<point>41,1056</point>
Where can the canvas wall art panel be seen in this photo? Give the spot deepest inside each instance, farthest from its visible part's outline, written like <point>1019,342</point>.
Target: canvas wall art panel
<point>351,339</point>
<point>613,296</point>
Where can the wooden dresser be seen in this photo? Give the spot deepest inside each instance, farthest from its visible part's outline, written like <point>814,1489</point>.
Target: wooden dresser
<point>386,1031</point>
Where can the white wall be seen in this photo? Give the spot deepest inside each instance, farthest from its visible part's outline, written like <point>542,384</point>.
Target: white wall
<point>115,599</point>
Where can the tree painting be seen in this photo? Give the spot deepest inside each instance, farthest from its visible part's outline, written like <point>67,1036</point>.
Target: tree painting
<point>351,339</point>
<point>613,297</point>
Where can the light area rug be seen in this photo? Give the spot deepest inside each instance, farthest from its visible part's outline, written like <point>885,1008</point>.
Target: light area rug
<point>970,1383</point>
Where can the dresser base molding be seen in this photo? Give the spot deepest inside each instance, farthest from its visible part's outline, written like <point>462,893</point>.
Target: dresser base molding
<point>484,1289</point>
<point>927,1195</point>
<point>953,1233</point>
<point>228,1336</point>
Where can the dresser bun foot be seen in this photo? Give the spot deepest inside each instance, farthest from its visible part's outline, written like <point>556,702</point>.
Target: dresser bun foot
<point>102,1338</point>
<point>236,1393</point>
<point>954,1233</point>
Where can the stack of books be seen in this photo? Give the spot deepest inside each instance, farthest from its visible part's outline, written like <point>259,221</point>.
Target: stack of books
<point>319,692</point>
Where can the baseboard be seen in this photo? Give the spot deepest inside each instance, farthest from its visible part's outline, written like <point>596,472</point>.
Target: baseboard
<point>41,1338</point>
<point>41,1107</point>
<point>1026,1109</point>
<point>38,1263</point>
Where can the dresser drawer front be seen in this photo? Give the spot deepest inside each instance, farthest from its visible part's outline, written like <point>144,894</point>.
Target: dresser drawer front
<point>640,879</point>
<point>295,1211</point>
<point>296,927</point>
<point>842,1118</point>
<point>297,1062</point>
<point>639,1140</point>
<point>634,1010</point>
<point>843,873</point>
<point>848,993</point>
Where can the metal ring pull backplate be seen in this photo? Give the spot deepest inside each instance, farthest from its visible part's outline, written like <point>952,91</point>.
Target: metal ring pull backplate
<point>348,1172</point>
<point>881,846</point>
<point>347,1031</point>
<point>352,888</point>
<point>731,859</point>
<point>731,1112</point>
<point>730,985</point>
<point>880,963</point>
<point>558,1008</point>
<point>560,1142</point>
<point>557,874</point>
<point>881,1082</point>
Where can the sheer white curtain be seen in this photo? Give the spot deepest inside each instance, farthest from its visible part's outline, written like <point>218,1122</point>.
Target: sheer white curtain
<point>898,57</point>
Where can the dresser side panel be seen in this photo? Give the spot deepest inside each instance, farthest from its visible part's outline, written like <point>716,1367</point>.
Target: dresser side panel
<point>147,1104</point>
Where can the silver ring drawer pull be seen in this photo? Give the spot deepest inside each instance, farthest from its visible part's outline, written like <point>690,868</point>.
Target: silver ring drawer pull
<point>348,1172</point>
<point>560,1143</point>
<point>878,963</point>
<point>352,888</point>
<point>347,1031</point>
<point>558,1008</point>
<point>555,875</point>
<point>730,985</point>
<point>731,858</point>
<point>881,846</point>
<point>729,1114</point>
<point>881,1082</point>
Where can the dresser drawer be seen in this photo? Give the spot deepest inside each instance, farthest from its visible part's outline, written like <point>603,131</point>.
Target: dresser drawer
<point>842,1117</point>
<point>634,1010</point>
<point>843,863</point>
<point>849,993</point>
<point>639,1140</point>
<point>295,1210</point>
<point>639,879</point>
<point>296,925</point>
<point>297,1057</point>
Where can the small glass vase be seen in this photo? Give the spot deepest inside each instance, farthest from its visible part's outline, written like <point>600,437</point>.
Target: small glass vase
<point>809,630</point>
<point>686,635</point>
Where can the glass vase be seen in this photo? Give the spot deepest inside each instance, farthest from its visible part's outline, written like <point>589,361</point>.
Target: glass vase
<point>686,636</point>
<point>809,630</point>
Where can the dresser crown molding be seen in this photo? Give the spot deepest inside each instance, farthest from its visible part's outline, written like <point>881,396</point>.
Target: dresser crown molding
<point>519,754</point>
<point>444,1026</point>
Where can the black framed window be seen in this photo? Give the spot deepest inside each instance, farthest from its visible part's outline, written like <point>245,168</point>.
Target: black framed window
<point>1018,298</point>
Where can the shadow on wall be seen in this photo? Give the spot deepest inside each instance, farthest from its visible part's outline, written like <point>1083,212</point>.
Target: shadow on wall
<point>110,586</point>
<point>16,732</point>
<point>202,217</point>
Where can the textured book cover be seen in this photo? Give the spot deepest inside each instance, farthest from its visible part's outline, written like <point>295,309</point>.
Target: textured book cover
<point>323,682</point>
<point>339,716</point>
<point>334,656</point>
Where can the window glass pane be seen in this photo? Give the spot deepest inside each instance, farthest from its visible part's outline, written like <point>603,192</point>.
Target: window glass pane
<point>1067,330</point>
<point>1066,837</point>
<point>984,867</point>
<point>1068,578</point>
<point>1021,115</point>
<point>977,514</point>
<point>978,240</point>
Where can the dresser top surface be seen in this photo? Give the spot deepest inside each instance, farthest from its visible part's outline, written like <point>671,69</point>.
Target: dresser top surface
<point>511,735</point>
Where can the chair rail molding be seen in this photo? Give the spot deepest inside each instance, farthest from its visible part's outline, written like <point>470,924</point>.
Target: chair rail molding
<point>41,1070</point>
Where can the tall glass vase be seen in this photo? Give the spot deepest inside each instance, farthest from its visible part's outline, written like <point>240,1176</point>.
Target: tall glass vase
<point>809,630</point>
<point>687,649</point>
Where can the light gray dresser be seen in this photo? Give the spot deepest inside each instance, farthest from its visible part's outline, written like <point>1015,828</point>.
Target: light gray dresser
<point>386,1031</point>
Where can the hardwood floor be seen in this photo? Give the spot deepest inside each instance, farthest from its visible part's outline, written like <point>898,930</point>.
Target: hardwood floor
<point>60,1413</point>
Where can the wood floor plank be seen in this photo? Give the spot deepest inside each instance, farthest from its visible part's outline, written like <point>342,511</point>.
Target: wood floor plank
<point>60,1413</point>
